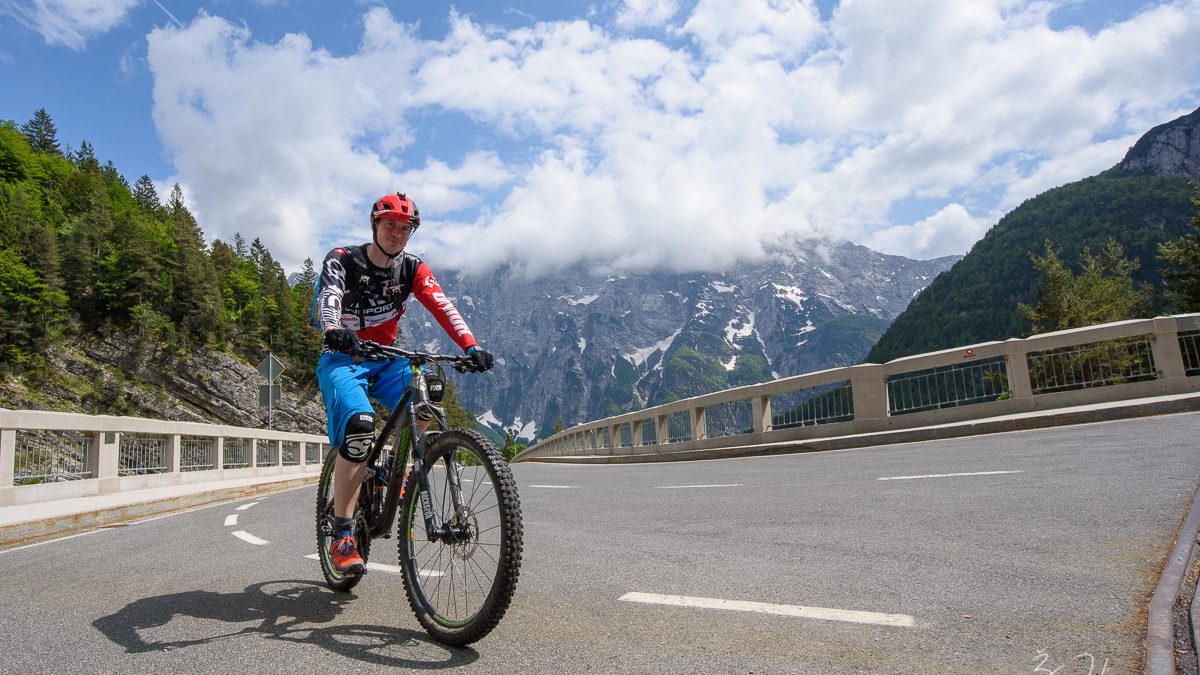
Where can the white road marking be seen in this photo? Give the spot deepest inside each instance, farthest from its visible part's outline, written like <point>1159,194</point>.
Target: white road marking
<point>231,519</point>
<point>682,487</point>
<point>384,567</point>
<point>555,487</point>
<point>827,614</point>
<point>249,538</point>
<point>51,541</point>
<point>243,507</point>
<point>948,475</point>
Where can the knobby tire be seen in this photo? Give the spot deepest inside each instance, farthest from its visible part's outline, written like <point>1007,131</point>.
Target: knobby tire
<point>460,592</point>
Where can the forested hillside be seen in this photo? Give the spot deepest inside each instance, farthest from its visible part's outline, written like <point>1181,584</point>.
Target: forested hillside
<point>1142,202</point>
<point>82,252</point>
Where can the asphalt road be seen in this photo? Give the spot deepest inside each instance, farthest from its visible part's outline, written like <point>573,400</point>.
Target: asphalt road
<point>1017,553</point>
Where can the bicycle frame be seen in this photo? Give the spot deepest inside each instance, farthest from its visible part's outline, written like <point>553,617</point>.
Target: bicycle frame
<point>404,418</point>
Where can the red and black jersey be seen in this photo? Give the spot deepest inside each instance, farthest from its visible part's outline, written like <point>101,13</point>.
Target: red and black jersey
<point>355,293</point>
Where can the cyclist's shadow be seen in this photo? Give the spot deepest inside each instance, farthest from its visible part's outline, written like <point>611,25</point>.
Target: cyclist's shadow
<point>296,611</point>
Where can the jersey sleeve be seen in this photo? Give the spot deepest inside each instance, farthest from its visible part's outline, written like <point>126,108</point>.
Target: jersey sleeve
<point>434,299</point>
<point>332,287</point>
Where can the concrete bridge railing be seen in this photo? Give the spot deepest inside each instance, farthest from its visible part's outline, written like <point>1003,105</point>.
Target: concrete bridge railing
<point>1109,362</point>
<point>51,455</point>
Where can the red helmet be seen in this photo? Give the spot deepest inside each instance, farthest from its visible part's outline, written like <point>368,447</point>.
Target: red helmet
<point>396,206</point>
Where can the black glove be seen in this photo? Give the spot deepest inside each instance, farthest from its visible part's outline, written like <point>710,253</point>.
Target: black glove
<point>342,340</point>
<point>480,360</point>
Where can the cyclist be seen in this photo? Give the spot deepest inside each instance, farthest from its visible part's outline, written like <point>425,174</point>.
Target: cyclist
<point>362,294</point>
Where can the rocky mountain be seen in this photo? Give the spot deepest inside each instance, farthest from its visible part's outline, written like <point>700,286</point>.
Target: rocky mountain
<point>575,347</point>
<point>116,374</point>
<point>1144,200</point>
<point>1171,150</point>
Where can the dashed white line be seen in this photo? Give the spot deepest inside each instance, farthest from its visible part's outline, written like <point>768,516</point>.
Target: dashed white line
<point>249,538</point>
<point>384,567</point>
<point>231,519</point>
<point>824,613</point>
<point>948,475</point>
<point>684,487</point>
<point>243,507</point>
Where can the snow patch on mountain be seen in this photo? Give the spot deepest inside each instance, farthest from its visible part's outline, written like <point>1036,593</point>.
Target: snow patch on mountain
<point>488,419</point>
<point>639,356</point>
<point>849,308</point>
<point>527,431</point>
<point>732,334</point>
<point>585,300</point>
<point>732,363</point>
<point>582,344</point>
<point>722,287</point>
<point>792,294</point>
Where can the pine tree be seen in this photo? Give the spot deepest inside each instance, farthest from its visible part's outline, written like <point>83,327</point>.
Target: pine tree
<point>112,177</point>
<point>239,246</point>
<point>42,134</point>
<point>175,203</point>
<point>259,256</point>
<point>145,194</point>
<point>308,275</point>
<point>1182,277</point>
<point>85,160</point>
<point>1102,292</point>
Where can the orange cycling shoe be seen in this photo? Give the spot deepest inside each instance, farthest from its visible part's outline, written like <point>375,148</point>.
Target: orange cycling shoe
<point>344,554</point>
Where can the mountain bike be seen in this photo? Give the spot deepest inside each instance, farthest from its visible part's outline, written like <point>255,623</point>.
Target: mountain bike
<point>459,529</point>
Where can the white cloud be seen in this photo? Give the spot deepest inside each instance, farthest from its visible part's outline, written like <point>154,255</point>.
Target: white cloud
<point>276,138</point>
<point>950,231</point>
<point>69,23</point>
<point>743,124</point>
<point>635,13</point>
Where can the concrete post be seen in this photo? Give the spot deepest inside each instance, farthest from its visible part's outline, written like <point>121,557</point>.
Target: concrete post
<point>635,433</point>
<point>869,391</point>
<point>1017,357</point>
<point>105,460</point>
<point>8,460</point>
<point>253,442</point>
<point>175,448</point>
<point>760,413</point>
<point>1168,357</point>
<point>219,448</point>
<point>8,456</point>
<point>699,423</point>
<point>277,453</point>
<point>302,448</point>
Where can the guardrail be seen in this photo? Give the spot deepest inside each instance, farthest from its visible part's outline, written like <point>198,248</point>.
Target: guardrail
<point>53,455</point>
<point>1109,362</point>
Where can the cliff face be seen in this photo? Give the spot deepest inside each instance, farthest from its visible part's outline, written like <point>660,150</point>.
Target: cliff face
<point>117,375</point>
<point>1171,149</point>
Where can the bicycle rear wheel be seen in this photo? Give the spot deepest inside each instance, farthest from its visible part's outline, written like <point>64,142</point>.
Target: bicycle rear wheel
<point>336,580</point>
<point>460,589</point>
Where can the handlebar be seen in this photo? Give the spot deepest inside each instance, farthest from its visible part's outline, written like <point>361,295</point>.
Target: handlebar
<point>373,351</point>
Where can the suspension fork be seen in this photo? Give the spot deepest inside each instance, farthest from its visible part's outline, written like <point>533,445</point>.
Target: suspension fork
<point>434,529</point>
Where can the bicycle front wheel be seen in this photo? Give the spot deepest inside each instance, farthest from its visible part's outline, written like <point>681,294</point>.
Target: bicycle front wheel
<point>461,585</point>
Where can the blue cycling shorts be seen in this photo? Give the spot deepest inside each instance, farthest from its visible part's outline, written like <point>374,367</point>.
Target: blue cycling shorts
<point>346,385</point>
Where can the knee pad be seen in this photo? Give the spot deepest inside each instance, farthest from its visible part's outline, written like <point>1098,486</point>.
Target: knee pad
<point>360,433</point>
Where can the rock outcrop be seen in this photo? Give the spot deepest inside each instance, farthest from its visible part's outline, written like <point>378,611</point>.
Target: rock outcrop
<point>1171,149</point>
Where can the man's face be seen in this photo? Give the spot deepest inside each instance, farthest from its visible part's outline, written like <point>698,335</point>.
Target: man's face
<point>393,233</point>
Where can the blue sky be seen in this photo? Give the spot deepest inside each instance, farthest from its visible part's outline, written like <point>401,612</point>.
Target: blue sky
<point>614,134</point>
